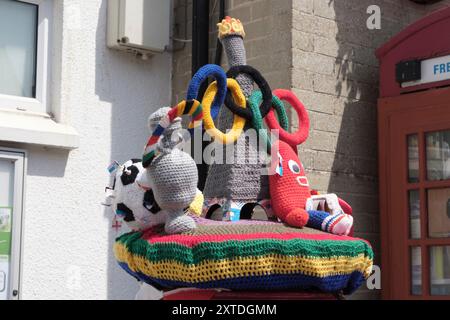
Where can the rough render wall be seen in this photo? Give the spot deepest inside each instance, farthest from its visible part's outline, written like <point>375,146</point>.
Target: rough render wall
<point>106,96</point>
<point>335,73</point>
<point>267,24</point>
<point>323,50</point>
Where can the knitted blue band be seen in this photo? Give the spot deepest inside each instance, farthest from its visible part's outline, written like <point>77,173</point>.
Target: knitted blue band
<point>209,70</point>
<point>316,218</point>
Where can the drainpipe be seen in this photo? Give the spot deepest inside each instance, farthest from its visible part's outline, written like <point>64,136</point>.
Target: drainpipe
<point>200,53</point>
<point>200,48</point>
<point>200,34</point>
<point>218,57</point>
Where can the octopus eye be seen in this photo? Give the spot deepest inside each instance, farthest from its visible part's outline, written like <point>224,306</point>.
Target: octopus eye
<point>294,167</point>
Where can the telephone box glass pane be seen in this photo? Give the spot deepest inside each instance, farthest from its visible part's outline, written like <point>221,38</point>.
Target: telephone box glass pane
<point>413,158</point>
<point>438,155</point>
<point>440,270</point>
<point>414,214</point>
<point>416,271</point>
<point>6,202</point>
<point>438,213</point>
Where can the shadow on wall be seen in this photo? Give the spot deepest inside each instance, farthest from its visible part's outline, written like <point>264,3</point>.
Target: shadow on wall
<point>354,173</point>
<point>43,161</point>
<point>54,165</point>
<point>133,89</point>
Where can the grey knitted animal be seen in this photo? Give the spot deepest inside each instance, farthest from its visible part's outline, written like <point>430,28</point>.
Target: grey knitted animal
<point>234,186</point>
<point>173,177</point>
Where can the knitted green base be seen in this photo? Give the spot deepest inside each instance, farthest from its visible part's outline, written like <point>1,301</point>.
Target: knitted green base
<point>231,249</point>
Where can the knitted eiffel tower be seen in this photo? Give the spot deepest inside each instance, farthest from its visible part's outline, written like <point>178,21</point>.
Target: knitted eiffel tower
<point>238,187</point>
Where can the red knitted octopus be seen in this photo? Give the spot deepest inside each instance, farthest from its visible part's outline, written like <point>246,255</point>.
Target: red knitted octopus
<point>289,187</point>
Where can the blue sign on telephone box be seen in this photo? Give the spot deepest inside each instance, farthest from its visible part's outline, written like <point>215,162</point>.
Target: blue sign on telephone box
<point>432,70</point>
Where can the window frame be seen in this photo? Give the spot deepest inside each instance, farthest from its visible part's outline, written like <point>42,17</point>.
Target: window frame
<point>19,158</point>
<point>39,104</point>
<point>399,117</point>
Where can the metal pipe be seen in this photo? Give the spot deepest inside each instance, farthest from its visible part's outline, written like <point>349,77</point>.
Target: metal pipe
<point>200,48</point>
<point>200,34</point>
<point>218,57</point>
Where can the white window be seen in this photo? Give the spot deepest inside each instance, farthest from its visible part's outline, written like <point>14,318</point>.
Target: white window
<point>12,168</point>
<point>24,51</point>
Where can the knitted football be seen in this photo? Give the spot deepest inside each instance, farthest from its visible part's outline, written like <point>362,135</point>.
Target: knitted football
<point>136,206</point>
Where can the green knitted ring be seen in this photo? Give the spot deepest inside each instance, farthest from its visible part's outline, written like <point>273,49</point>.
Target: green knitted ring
<point>277,104</point>
<point>281,112</point>
<point>257,120</point>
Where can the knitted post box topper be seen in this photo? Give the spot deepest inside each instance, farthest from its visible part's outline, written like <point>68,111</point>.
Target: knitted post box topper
<point>169,172</point>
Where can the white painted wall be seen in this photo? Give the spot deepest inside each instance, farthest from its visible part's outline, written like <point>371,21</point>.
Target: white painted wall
<point>106,96</point>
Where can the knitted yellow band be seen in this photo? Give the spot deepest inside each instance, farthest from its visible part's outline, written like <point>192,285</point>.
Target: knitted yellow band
<point>238,122</point>
<point>210,270</point>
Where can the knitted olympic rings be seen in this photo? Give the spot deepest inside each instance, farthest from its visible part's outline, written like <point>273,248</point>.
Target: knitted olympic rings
<point>202,74</point>
<point>190,107</point>
<point>238,123</point>
<point>298,137</point>
<point>260,82</point>
<point>257,121</point>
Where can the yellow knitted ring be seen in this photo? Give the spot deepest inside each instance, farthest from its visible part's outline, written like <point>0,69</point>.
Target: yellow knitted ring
<point>238,122</point>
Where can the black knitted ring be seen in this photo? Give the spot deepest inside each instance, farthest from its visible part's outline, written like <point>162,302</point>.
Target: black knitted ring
<point>256,76</point>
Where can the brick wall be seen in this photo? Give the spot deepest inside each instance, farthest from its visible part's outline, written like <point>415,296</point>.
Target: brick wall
<point>323,50</point>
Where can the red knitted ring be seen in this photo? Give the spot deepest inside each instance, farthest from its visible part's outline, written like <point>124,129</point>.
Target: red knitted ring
<point>298,137</point>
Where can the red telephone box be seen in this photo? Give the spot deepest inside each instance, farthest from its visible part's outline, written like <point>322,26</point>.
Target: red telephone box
<point>414,160</point>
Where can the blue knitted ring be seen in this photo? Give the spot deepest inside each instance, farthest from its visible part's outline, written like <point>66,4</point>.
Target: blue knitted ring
<point>209,70</point>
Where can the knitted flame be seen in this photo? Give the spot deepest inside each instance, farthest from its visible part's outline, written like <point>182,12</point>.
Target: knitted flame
<point>230,26</point>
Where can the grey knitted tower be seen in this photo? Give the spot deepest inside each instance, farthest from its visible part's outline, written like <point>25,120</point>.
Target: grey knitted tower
<point>239,186</point>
